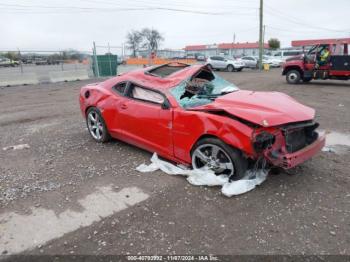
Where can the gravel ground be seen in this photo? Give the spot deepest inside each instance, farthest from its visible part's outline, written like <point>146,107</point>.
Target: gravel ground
<point>304,211</point>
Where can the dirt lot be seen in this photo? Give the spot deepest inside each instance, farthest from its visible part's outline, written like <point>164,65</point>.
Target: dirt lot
<point>306,211</point>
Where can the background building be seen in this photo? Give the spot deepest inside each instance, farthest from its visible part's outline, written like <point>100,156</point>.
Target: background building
<point>165,53</point>
<point>226,49</point>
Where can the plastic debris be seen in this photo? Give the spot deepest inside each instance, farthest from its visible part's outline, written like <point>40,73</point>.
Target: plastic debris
<point>252,179</point>
<point>206,177</point>
<point>335,142</point>
<point>328,149</point>
<point>17,147</point>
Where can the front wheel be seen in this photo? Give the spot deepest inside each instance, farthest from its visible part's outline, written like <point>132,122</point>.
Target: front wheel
<point>293,77</point>
<point>214,154</point>
<point>230,68</point>
<point>97,126</point>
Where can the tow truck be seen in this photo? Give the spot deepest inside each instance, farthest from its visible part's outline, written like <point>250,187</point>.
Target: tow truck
<point>307,66</point>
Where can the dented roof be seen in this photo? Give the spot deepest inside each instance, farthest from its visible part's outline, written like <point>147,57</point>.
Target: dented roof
<point>144,78</point>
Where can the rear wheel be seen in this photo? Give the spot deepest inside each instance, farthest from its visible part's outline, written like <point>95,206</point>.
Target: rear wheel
<point>293,77</point>
<point>230,68</point>
<point>219,157</point>
<point>97,126</point>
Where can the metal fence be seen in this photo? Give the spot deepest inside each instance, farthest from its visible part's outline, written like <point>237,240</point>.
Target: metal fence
<point>100,61</point>
<point>42,62</point>
<point>106,59</point>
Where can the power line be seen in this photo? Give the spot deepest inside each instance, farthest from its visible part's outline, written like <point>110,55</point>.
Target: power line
<point>70,9</point>
<point>287,18</point>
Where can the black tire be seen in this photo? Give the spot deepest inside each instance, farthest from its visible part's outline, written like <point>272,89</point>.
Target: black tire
<point>230,68</point>
<point>307,79</point>
<point>105,136</point>
<point>293,77</point>
<point>240,163</point>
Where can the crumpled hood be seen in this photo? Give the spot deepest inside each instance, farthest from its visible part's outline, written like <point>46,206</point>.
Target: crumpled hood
<point>262,108</point>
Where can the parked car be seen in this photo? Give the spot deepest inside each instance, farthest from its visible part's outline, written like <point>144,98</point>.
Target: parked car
<point>285,54</point>
<point>5,62</point>
<point>46,61</point>
<point>250,61</point>
<point>272,61</point>
<point>190,115</point>
<point>190,57</point>
<point>253,61</point>
<point>200,58</point>
<point>121,60</point>
<point>220,62</point>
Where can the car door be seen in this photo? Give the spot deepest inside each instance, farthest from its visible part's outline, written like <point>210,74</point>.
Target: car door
<point>215,63</point>
<point>113,110</point>
<point>146,119</point>
<point>222,62</point>
<point>248,61</point>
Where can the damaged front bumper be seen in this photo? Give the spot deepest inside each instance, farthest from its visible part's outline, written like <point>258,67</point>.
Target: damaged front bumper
<point>288,160</point>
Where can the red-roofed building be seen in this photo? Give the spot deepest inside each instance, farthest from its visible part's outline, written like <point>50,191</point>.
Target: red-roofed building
<point>299,43</point>
<point>226,49</point>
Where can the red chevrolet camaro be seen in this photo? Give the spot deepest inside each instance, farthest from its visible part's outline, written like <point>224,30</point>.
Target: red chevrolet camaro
<point>190,115</point>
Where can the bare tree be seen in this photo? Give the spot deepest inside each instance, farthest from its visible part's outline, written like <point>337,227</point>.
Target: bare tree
<point>152,39</point>
<point>133,41</point>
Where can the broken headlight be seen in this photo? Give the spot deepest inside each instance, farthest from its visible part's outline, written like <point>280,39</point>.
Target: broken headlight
<point>263,141</point>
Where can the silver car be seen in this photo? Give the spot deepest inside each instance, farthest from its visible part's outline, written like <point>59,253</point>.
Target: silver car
<point>250,61</point>
<point>219,62</point>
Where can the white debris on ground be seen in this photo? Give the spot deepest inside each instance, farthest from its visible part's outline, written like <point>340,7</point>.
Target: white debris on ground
<point>252,179</point>
<point>205,177</point>
<point>335,139</point>
<point>16,147</point>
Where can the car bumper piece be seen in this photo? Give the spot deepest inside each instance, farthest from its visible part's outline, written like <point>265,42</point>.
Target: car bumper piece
<point>290,160</point>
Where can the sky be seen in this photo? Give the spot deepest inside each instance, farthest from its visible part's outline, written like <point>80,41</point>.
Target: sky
<point>62,24</point>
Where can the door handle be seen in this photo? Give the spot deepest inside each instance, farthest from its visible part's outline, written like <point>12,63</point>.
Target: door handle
<point>124,106</point>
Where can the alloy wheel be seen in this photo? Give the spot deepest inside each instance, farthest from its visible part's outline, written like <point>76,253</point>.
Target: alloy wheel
<point>95,125</point>
<point>214,158</point>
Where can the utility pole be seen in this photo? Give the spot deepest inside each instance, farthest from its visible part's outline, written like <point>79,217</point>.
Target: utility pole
<point>97,71</point>
<point>110,60</point>
<point>263,39</point>
<point>233,42</point>
<point>20,60</point>
<point>261,44</point>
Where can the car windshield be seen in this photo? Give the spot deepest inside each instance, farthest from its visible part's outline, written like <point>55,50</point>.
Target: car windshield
<point>201,89</point>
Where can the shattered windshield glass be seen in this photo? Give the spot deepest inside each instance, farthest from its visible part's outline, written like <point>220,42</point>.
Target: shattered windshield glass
<point>201,89</point>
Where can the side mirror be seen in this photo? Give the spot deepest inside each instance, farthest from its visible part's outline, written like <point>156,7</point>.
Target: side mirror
<point>165,105</point>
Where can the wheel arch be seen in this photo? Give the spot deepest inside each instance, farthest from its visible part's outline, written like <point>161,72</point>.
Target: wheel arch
<point>293,67</point>
<point>231,141</point>
<point>87,109</point>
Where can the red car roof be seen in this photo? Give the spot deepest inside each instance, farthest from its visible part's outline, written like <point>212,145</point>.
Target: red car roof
<point>142,77</point>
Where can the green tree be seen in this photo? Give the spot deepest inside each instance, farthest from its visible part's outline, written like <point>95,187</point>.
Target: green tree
<point>274,43</point>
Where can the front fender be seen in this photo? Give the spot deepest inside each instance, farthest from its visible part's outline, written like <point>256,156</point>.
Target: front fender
<point>191,126</point>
